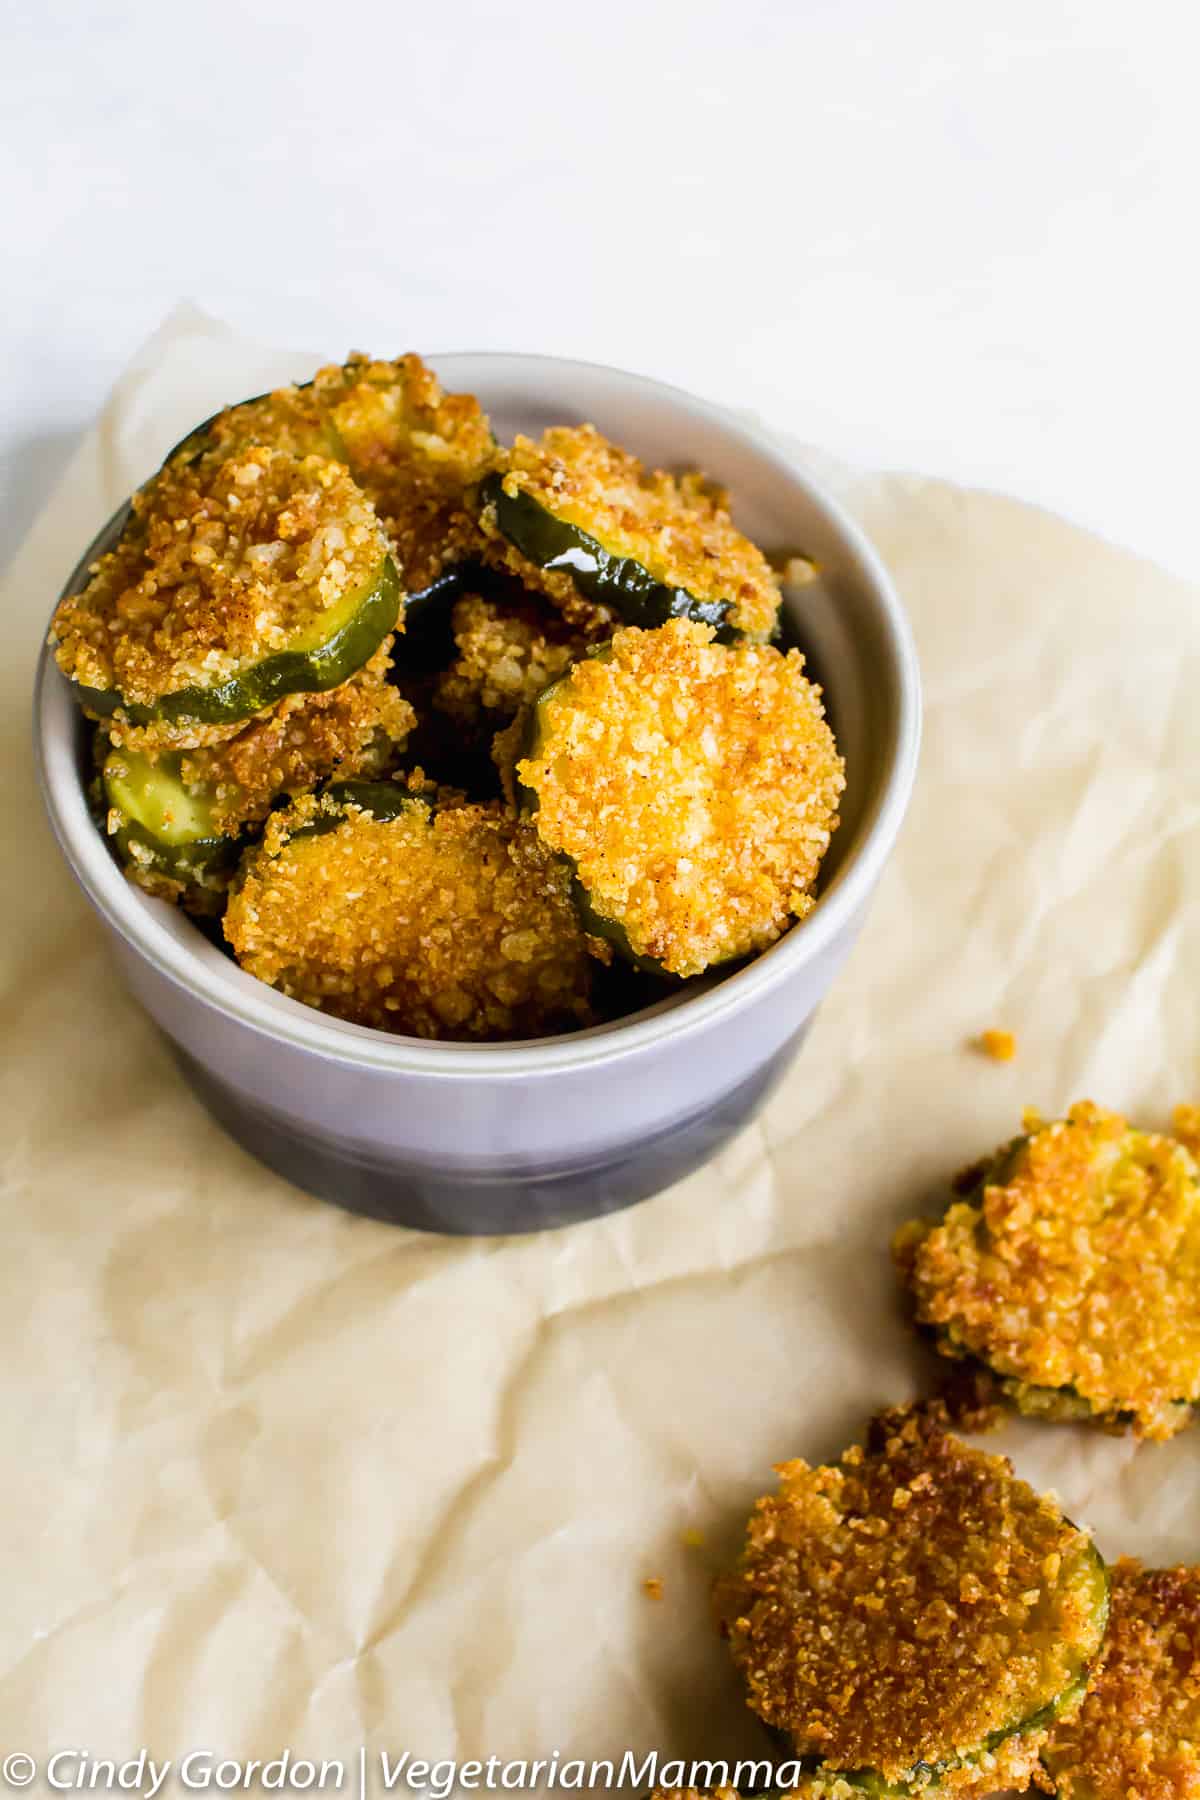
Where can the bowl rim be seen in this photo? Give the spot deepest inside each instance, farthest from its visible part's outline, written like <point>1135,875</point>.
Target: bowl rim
<point>302,1027</point>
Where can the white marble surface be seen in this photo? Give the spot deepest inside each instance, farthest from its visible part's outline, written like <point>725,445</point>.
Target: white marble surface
<point>948,235</point>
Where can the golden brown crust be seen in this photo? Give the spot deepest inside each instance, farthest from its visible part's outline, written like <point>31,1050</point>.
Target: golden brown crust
<point>507,653</point>
<point>678,528</point>
<point>287,419</point>
<point>446,924</point>
<point>898,1609</point>
<point>416,451</point>
<point>1137,1736</point>
<point>1072,1271</point>
<point>222,564</point>
<point>356,730</point>
<point>694,785</point>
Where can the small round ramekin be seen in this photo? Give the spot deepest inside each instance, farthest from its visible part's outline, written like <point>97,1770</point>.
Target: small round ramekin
<point>487,1138</point>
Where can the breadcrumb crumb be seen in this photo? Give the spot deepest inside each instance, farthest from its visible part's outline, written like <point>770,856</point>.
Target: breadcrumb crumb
<point>1001,1046</point>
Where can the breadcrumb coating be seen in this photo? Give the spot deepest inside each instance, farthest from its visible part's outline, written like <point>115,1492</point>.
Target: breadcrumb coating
<point>453,923</point>
<point>1071,1269</point>
<point>1137,1736</point>
<point>913,1610</point>
<point>507,654</point>
<point>415,450</point>
<point>355,730</point>
<point>223,563</point>
<point>288,419</point>
<point>694,786</point>
<point>1185,1123</point>
<point>677,527</point>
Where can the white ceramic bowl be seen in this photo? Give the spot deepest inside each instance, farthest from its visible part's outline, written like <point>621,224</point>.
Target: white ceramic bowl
<point>513,1137</point>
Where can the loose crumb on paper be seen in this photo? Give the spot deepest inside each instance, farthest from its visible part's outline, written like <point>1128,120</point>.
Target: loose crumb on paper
<point>652,1587</point>
<point>1001,1046</point>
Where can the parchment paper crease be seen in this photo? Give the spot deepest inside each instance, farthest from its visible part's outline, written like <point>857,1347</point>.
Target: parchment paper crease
<point>276,1476</point>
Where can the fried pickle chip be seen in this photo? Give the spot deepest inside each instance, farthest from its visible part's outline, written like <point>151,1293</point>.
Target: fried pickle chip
<point>178,817</point>
<point>356,732</point>
<point>1137,1736</point>
<point>507,654</point>
<point>914,1614</point>
<point>1071,1268</point>
<point>694,786</point>
<point>236,583</point>
<point>444,922</point>
<point>416,451</point>
<point>611,541</point>
<point>287,419</point>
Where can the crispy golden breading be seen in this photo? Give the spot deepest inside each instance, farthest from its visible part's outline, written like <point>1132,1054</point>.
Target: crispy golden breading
<point>355,730</point>
<point>1185,1123</point>
<point>446,924</point>
<point>1137,1736</point>
<point>223,564</point>
<point>506,655</point>
<point>415,450</point>
<point>1071,1269</point>
<point>288,419</point>
<point>677,528</point>
<point>903,1609</point>
<point>695,787</point>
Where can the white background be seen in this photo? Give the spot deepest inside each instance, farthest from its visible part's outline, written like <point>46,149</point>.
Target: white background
<point>943,234</point>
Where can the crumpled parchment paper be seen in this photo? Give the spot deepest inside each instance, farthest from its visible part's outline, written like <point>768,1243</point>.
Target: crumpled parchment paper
<point>275,1476</point>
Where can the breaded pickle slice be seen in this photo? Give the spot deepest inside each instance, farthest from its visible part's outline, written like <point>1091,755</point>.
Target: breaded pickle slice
<point>508,652</point>
<point>1070,1268</point>
<point>287,419</point>
<point>914,1615</point>
<point>444,922</point>
<point>694,787</point>
<point>165,831</point>
<point>416,451</point>
<point>237,583</point>
<point>179,818</point>
<point>1138,1732</point>
<point>589,524</point>
<point>413,448</point>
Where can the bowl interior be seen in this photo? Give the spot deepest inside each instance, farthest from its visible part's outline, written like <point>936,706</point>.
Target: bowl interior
<point>848,623</point>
